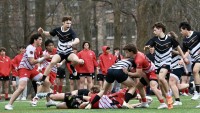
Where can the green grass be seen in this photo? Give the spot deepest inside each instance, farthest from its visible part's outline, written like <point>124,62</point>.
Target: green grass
<point>24,107</point>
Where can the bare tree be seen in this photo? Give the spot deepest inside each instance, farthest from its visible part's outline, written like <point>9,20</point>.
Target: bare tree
<point>5,26</point>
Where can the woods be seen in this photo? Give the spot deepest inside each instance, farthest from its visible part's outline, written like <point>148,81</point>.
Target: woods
<point>102,22</point>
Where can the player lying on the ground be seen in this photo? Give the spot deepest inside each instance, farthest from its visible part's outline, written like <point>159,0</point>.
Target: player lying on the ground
<point>72,100</point>
<point>67,98</point>
<point>111,101</point>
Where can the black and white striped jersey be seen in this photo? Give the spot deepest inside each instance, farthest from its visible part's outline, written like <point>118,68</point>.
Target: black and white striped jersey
<point>65,39</point>
<point>175,62</point>
<point>163,48</point>
<point>124,63</point>
<point>192,43</point>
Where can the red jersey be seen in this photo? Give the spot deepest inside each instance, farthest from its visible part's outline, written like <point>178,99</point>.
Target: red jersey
<point>142,62</point>
<point>15,63</point>
<point>106,60</point>
<point>30,52</point>
<point>46,62</point>
<point>5,65</point>
<point>112,101</point>
<point>38,52</point>
<point>90,61</point>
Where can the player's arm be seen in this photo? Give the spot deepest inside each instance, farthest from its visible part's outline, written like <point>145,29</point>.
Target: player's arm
<point>182,55</point>
<point>33,61</point>
<point>76,41</point>
<point>42,32</point>
<point>138,73</point>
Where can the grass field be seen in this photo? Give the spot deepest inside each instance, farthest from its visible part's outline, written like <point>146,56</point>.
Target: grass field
<point>24,107</point>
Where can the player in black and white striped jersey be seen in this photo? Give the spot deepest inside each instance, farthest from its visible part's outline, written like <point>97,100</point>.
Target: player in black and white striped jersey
<point>115,72</point>
<point>191,45</point>
<point>163,45</point>
<point>66,39</point>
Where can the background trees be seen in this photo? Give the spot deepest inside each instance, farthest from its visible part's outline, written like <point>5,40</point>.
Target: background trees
<point>103,22</point>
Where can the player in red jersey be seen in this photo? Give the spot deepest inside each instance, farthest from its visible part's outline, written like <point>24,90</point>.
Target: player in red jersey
<point>5,69</point>
<point>15,75</point>
<point>50,50</point>
<point>87,70</point>
<point>146,69</point>
<point>27,68</point>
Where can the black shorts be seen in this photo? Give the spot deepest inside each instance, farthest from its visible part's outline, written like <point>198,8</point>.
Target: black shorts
<point>83,92</point>
<point>63,56</point>
<point>178,72</point>
<point>116,74</point>
<point>166,67</point>
<point>93,76</point>
<point>13,78</point>
<point>72,77</point>
<point>193,63</point>
<point>61,73</point>
<point>144,82</point>
<point>86,74</point>
<point>101,77</point>
<point>189,74</point>
<point>4,78</point>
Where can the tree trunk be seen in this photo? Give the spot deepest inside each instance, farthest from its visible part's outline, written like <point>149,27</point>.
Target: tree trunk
<point>5,30</point>
<point>85,15</point>
<point>117,23</point>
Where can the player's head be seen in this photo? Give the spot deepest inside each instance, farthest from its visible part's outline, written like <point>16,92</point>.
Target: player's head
<point>158,28</point>
<point>86,45</point>
<point>184,28</point>
<point>116,50</point>
<point>67,22</point>
<point>130,50</point>
<point>36,39</point>
<point>2,51</point>
<point>22,49</point>
<point>49,45</point>
<point>94,89</point>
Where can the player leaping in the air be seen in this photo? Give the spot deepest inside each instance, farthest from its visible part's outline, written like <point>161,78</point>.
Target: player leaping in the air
<point>66,39</point>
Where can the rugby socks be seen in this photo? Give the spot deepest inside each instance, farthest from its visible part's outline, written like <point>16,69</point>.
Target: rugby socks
<point>162,101</point>
<point>197,86</point>
<point>177,99</point>
<point>43,78</point>
<point>128,96</point>
<point>54,89</point>
<point>34,86</point>
<point>187,91</point>
<point>6,95</point>
<point>96,98</point>
<point>60,89</point>
<point>72,68</point>
<point>48,94</point>
<point>144,99</point>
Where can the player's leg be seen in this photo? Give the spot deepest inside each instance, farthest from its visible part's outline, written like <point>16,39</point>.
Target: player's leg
<point>56,59</point>
<point>22,85</point>
<point>196,69</point>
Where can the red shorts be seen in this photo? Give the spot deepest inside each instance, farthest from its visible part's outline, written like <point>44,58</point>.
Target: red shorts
<point>23,72</point>
<point>15,73</point>
<point>52,76</point>
<point>151,75</point>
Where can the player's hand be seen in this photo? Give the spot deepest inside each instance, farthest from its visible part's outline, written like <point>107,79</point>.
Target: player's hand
<point>69,44</point>
<point>81,61</point>
<point>47,56</point>
<point>125,70</point>
<point>89,106</point>
<point>40,30</point>
<point>58,64</point>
